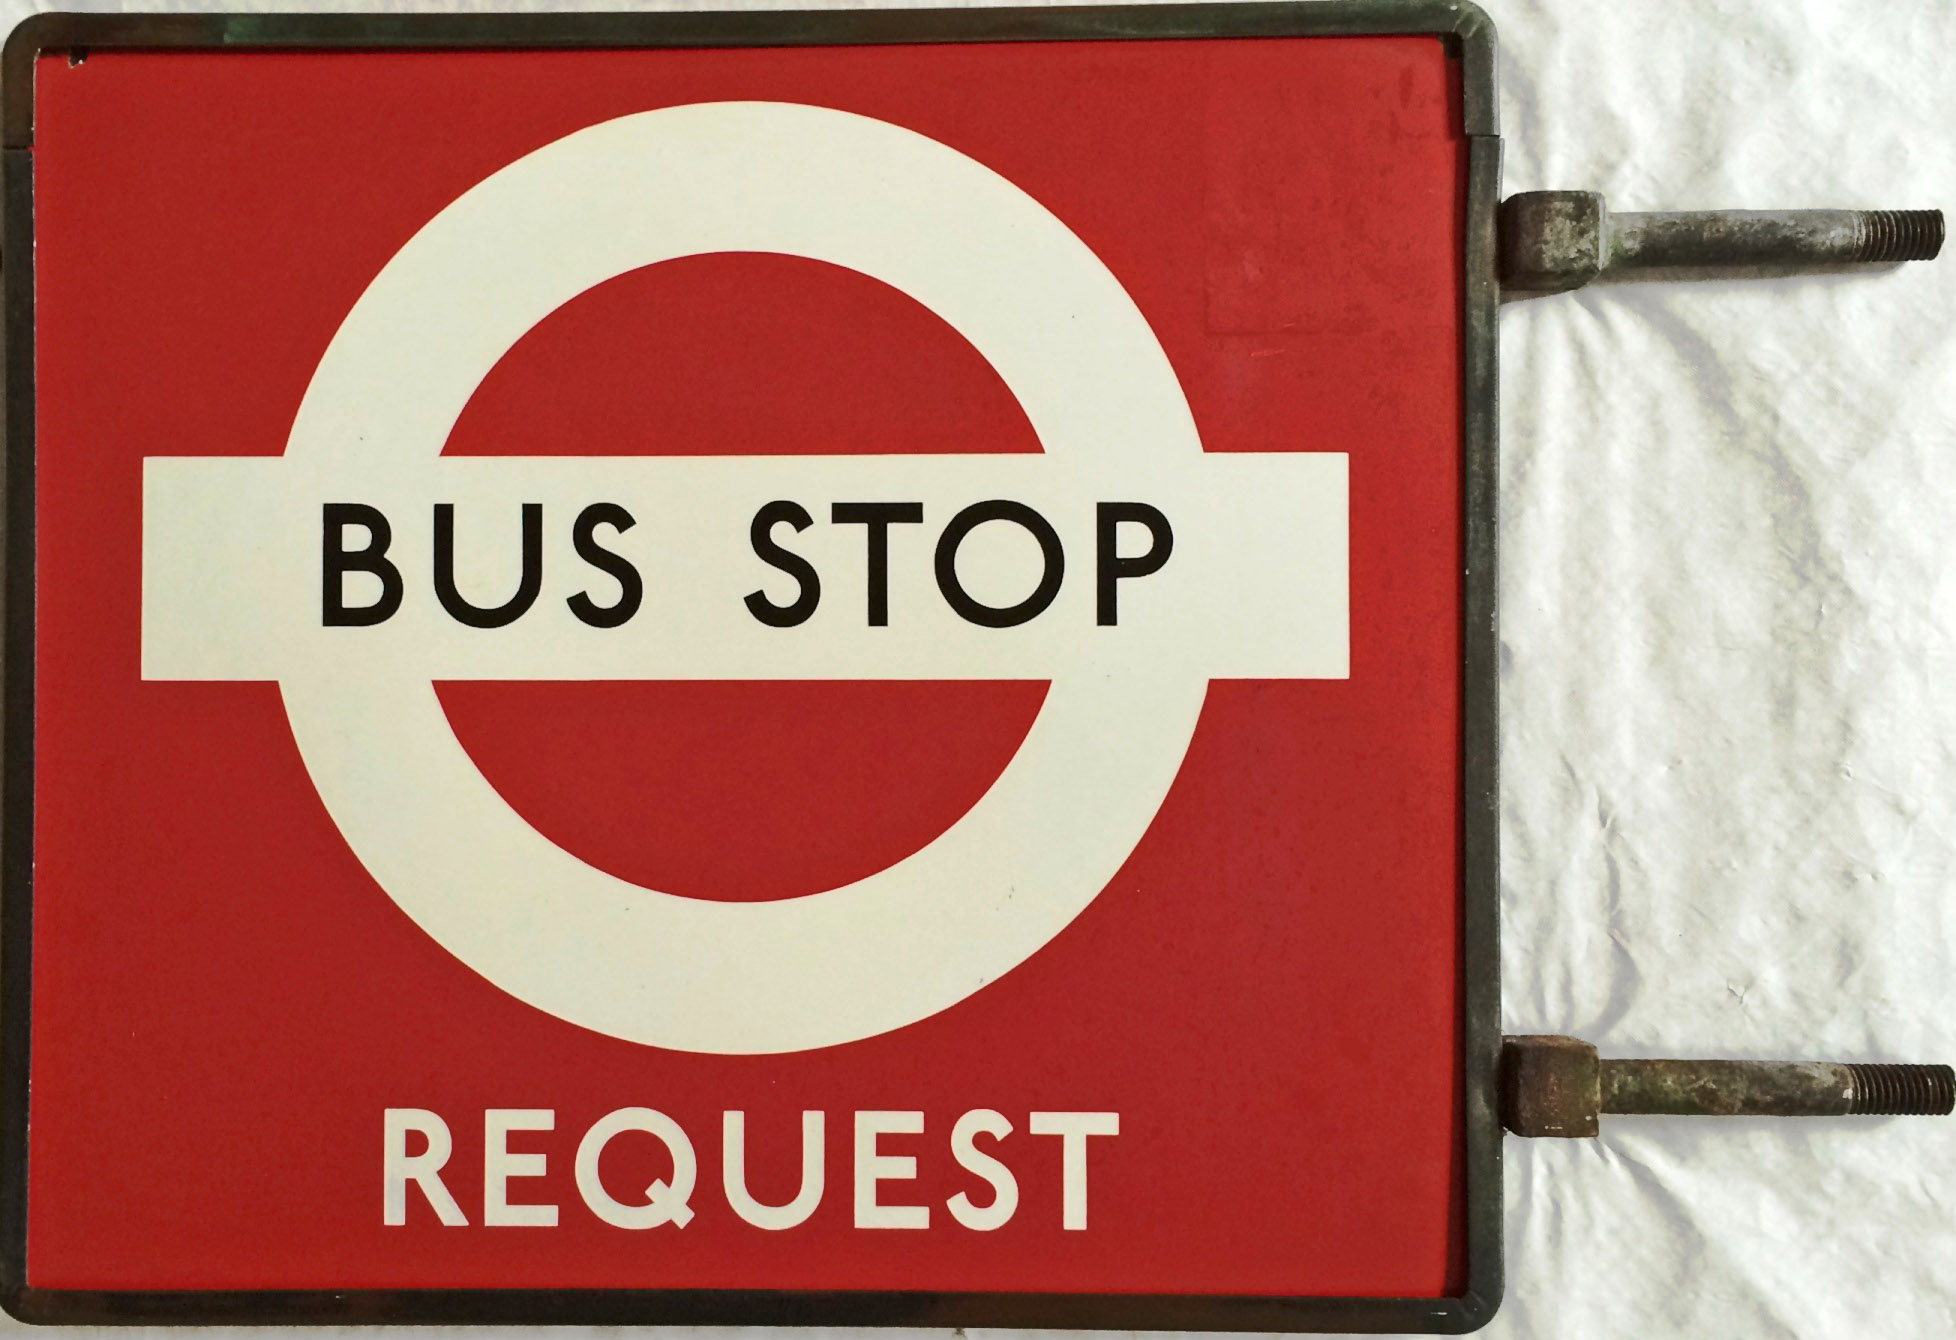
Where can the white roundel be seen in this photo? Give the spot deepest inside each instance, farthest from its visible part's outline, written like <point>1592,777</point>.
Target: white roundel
<point>909,940</point>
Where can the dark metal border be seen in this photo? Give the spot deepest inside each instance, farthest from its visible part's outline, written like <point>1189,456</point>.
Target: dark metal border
<point>1472,39</point>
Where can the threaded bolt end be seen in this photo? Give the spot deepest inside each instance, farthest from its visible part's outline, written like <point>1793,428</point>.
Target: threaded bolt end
<point>1899,234</point>
<point>1902,1090</point>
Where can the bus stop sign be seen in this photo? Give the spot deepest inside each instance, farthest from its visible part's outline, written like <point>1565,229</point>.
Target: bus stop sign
<point>823,667</point>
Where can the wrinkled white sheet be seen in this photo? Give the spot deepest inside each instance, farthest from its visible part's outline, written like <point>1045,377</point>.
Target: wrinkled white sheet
<point>1729,669</point>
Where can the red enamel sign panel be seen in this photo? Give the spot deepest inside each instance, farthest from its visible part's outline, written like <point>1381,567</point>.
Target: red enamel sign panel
<point>795,679</point>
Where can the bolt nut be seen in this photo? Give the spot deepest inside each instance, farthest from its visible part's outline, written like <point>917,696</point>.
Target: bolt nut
<point>1551,241</point>
<point>1550,1085</point>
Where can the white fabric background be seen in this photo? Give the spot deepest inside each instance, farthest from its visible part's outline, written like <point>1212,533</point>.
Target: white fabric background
<point>1729,669</point>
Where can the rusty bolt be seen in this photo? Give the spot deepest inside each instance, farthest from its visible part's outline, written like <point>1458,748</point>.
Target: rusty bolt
<point>1557,1086</point>
<point>1554,241</point>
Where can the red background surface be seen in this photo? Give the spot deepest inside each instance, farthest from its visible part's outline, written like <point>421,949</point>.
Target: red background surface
<point>224,1001</point>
